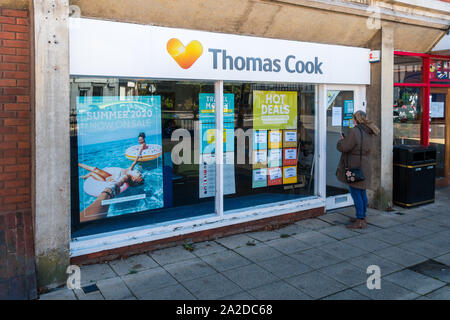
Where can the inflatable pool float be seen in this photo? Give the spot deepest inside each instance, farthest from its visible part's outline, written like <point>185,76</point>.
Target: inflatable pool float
<point>94,187</point>
<point>153,151</point>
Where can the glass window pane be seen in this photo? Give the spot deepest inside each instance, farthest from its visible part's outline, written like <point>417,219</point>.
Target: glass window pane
<point>440,71</point>
<point>274,144</point>
<point>340,109</point>
<point>407,69</point>
<point>136,150</point>
<point>437,129</point>
<point>407,115</point>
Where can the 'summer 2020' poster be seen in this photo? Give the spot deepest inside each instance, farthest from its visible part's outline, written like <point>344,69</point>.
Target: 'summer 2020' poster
<point>120,165</point>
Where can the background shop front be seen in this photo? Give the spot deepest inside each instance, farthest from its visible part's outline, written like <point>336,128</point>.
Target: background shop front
<point>421,105</point>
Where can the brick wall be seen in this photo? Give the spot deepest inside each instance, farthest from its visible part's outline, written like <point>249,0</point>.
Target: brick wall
<point>17,269</point>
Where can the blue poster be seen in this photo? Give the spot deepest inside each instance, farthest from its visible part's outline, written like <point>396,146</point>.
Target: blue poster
<point>208,137</point>
<point>348,109</point>
<point>207,123</point>
<point>120,166</point>
<point>259,139</point>
<point>259,178</point>
<point>207,103</point>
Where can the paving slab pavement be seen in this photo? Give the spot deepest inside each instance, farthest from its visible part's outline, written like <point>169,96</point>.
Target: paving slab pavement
<point>133,263</point>
<point>440,294</point>
<point>212,287</point>
<point>311,259</point>
<point>388,291</point>
<point>285,267</point>
<point>278,291</point>
<point>414,281</point>
<point>316,284</point>
<point>114,289</point>
<point>348,294</point>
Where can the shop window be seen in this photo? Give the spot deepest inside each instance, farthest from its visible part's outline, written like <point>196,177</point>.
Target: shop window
<point>269,150</point>
<point>440,71</point>
<point>274,144</point>
<point>110,190</point>
<point>83,94</point>
<point>432,92</point>
<point>407,69</point>
<point>97,91</point>
<point>340,109</point>
<point>407,115</point>
<point>437,129</point>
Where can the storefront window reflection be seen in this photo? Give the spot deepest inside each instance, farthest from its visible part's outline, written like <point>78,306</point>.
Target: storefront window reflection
<point>275,143</point>
<point>438,127</point>
<point>407,69</point>
<point>143,151</point>
<point>440,71</point>
<point>407,115</point>
<point>108,132</point>
<point>417,89</point>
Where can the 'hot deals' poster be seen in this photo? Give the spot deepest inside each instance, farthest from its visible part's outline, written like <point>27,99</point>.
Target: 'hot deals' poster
<point>275,123</point>
<point>274,109</point>
<point>119,155</point>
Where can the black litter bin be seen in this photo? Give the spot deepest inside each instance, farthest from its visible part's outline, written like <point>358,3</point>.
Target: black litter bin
<point>414,175</point>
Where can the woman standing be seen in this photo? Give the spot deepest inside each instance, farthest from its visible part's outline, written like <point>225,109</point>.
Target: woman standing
<point>356,148</point>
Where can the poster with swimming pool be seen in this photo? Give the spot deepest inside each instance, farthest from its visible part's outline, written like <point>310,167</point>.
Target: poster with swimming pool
<point>120,166</point>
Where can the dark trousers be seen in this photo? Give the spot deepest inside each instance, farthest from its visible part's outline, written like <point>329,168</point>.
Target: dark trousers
<point>360,199</point>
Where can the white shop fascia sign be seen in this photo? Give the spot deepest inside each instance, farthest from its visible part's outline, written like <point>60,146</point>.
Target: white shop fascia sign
<point>115,49</point>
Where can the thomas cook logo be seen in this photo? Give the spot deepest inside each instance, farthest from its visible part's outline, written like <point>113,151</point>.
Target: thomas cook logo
<point>185,56</point>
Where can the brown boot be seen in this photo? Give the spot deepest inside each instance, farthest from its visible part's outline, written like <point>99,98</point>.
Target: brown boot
<point>356,219</point>
<point>358,224</point>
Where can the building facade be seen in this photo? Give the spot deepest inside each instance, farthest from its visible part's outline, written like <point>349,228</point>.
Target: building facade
<point>239,104</point>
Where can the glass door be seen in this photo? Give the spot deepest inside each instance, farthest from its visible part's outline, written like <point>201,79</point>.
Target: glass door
<point>341,103</point>
<point>438,133</point>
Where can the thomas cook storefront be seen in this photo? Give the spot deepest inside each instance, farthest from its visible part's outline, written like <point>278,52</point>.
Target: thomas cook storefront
<point>183,135</point>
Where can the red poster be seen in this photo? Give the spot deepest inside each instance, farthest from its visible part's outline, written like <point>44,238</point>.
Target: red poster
<point>275,176</point>
<point>289,156</point>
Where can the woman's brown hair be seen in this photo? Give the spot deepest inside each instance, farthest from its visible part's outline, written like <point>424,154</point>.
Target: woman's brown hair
<point>360,117</point>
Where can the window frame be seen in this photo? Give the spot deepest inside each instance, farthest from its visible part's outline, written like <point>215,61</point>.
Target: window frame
<point>145,233</point>
<point>425,86</point>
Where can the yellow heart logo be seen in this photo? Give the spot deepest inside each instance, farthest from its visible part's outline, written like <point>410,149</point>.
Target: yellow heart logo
<point>185,56</point>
